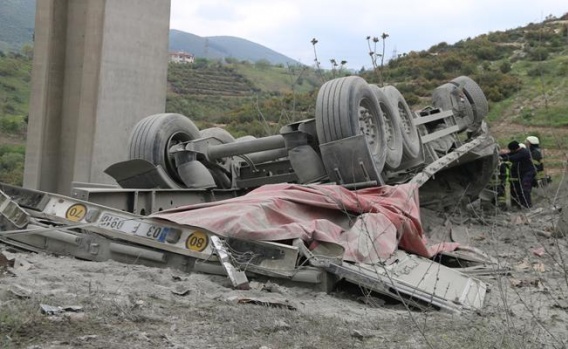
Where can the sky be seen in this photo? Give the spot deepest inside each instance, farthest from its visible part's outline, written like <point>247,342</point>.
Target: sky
<point>341,27</point>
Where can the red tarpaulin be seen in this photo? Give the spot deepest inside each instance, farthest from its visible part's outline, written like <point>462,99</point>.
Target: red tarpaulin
<point>368,223</point>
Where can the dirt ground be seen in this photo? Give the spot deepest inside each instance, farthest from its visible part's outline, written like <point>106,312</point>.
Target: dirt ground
<point>113,305</point>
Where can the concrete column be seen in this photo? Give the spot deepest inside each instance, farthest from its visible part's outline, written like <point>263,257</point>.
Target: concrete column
<point>99,67</point>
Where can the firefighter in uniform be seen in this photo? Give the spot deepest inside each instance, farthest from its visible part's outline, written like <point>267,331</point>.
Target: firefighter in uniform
<point>522,173</point>
<point>533,145</point>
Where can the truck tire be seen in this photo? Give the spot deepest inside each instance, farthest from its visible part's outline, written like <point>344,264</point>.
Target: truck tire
<point>476,98</point>
<point>245,138</point>
<point>346,107</point>
<point>217,132</point>
<point>153,136</point>
<point>393,133</point>
<point>411,144</point>
<point>450,97</point>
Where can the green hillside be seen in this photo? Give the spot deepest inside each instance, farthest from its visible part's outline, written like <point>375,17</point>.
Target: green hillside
<point>522,72</point>
<point>15,72</point>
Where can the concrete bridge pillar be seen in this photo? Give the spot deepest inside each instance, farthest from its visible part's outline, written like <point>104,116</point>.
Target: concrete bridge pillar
<point>99,66</point>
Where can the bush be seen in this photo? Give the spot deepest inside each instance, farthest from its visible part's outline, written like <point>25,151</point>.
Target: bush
<point>538,54</point>
<point>563,69</point>
<point>498,86</point>
<point>505,67</point>
<point>262,64</point>
<point>538,70</point>
<point>11,161</point>
<point>12,164</point>
<point>12,148</point>
<point>12,123</point>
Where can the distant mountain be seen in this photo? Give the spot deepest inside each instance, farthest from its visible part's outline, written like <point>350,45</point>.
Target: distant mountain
<point>218,47</point>
<point>17,20</point>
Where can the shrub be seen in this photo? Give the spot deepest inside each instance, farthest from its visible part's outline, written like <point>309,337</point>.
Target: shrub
<point>505,67</point>
<point>538,54</point>
<point>538,70</point>
<point>12,123</point>
<point>11,167</point>
<point>563,69</point>
<point>262,64</point>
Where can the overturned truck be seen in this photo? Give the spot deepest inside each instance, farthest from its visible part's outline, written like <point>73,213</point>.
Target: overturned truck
<point>329,198</point>
<point>361,136</point>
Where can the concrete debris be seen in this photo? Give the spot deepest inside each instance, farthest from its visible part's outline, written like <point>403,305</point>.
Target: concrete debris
<point>267,302</point>
<point>271,287</point>
<point>178,278</point>
<point>181,291</point>
<point>362,334</point>
<point>524,265</point>
<point>539,251</point>
<point>543,233</point>
<point>539,267</point>
<point>5,262</point>
<point>560,304</point>
<point>55,310</point>
<point>520,219</point>
<point>537,283</point>
<point>280,325</point>
<point>20,291</point>
<point>87,337</point>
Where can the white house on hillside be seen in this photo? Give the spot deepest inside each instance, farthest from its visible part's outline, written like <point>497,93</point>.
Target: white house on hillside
<point>181,57</point>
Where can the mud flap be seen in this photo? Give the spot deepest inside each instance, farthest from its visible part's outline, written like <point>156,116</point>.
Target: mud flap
<point>140,174</point>
<point>349,161</point>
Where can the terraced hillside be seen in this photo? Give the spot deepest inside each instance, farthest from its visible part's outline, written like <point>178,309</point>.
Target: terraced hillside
<point>210,80</point>
<point>246,97</point>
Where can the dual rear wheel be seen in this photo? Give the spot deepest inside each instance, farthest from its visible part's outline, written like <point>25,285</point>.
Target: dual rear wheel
<point>348,107</point>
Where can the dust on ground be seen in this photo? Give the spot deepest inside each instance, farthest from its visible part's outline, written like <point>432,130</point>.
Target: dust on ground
<point>113,305</point>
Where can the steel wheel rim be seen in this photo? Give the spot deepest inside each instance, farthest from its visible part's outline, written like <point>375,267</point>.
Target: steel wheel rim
<point>175,139</point>
<point>389,128</point>
<point>405,118</point>
<point>369,128</point>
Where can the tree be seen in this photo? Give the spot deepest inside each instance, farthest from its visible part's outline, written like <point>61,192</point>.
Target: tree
<point>27,51</point>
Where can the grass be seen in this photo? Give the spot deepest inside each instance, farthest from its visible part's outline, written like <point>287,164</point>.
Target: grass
<point>555,116</point>
<point>498,110</point>
<point>278,79</point>
<point>15,78</point>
